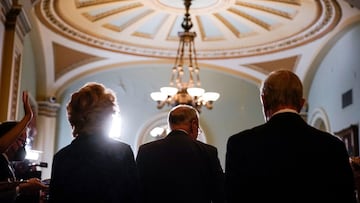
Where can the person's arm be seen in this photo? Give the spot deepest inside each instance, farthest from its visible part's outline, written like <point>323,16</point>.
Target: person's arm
<point>10,190</point>
<point>31,187</point>
<point>12,135</point>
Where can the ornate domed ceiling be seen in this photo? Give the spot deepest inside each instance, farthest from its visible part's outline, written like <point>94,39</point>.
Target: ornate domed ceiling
<point>245,38</point>
<point>225,28</point>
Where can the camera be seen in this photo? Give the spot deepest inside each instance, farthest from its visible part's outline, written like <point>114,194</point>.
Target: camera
<point>52,99</point>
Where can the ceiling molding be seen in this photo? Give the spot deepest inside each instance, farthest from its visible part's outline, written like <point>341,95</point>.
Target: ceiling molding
<point>66,59</point>
<point>300,30</point>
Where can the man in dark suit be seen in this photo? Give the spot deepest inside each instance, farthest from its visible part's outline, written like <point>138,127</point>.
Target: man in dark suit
<point>178,168</point>
<point>285,159</point>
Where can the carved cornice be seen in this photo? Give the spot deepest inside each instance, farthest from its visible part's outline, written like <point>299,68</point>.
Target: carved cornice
<point>48,109</point>
<point>14,17</point>
<point>5,6</point>
<point>11,15</point>
<point>23,25</point>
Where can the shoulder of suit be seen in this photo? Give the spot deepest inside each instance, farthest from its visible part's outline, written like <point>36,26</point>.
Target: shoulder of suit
<point>151,144</point>
<point>247,132</point>
<point>207,146</point>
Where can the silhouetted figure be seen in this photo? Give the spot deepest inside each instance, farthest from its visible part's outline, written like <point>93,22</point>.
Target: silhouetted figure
<point>94,167</point>
<point>178,168</point>
<point>285,159</point>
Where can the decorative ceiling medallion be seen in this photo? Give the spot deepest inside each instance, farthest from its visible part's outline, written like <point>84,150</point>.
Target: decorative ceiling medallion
<point>240,28</point>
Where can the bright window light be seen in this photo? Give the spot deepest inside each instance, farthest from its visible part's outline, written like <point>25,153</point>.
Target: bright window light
<point>157,132</point>
<point>115,127</point>
<point>32,154</point>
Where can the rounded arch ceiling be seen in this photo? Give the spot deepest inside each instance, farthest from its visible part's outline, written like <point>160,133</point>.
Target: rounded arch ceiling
<point>225,28</point>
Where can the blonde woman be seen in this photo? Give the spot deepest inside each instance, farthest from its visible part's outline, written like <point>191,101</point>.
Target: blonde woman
<point>94,167</point>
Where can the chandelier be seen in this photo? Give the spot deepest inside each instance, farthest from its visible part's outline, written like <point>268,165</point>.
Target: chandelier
<point>185,68</point>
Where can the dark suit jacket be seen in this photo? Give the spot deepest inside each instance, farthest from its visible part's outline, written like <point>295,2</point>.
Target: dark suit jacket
<point>178,169</point>
<point>7,194</point>
<point>94,169</point>
<point>6,170</point>
<point>286,160</point>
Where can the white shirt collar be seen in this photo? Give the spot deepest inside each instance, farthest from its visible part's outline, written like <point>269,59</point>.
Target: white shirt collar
<point>182,130</point>
<point>285,110</point>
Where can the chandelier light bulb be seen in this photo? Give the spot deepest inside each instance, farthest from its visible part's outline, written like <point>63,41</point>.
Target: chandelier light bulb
<point>211,96</point>
<point>158,96</point>
<point>169,91</point>
<point>195,91</point>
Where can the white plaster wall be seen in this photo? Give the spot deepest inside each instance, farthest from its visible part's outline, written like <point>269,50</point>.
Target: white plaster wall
<point>337,73</point>
<point>28,71</point>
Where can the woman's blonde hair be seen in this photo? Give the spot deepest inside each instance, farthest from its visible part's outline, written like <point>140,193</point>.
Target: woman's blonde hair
<point>91,108</point>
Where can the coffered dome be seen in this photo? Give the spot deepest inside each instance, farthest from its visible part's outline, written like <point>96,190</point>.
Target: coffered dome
<point>225,28</point>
